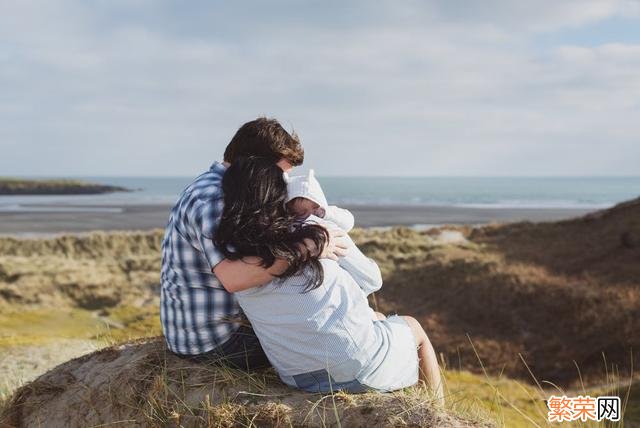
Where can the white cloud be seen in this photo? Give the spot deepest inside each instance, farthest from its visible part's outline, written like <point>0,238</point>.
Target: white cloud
<point>452,88</point>
<point>538,15</point>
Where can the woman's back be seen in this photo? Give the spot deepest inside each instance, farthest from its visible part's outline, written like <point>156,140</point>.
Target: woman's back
<point>330,327</point>
<point>326,338</point>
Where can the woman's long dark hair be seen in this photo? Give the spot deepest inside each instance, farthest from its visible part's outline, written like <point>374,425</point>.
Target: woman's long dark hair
<point>255,221</point>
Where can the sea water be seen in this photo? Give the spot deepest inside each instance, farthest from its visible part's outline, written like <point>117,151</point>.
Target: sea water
<point>478,192</point>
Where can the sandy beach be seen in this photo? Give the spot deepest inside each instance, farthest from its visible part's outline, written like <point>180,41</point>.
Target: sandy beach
<point>38,220</point>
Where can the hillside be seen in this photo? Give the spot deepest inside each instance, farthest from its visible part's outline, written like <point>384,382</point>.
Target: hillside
<point>507,286</point>
<point>553,292</point>
<point>14,186</point>
<point>557,296</point>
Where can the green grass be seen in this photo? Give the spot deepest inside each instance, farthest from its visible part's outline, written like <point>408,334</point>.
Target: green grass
<point>509,402</point>
<point>42,326</point>
<point>133,323</point>
<point>34,327</point>
<point>517,404</point>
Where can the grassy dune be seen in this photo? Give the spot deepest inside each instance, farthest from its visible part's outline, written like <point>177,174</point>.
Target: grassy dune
<point>503,304</point>
<point>142,383</point>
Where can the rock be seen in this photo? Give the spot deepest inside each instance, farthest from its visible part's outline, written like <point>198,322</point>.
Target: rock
<point>143,384</point>
<point>10,186</point>
<point>450,237</point>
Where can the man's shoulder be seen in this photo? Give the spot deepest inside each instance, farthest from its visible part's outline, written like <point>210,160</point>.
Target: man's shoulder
<point>205,189</point>
<point>207,186</point>
<point>200,199</point>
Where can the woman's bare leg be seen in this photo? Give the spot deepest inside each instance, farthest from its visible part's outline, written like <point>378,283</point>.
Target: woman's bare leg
<point>428,362</point>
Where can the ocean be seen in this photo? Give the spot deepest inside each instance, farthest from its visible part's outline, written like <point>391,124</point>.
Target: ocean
<point>472,192</point>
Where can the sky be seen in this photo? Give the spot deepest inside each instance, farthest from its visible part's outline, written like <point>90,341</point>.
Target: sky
<point>402,88</point>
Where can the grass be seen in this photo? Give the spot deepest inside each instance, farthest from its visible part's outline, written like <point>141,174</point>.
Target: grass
<point>448,288</point>
<point>522,272</point>
<point>508,402</point>
<point>155,388</point>
<point>164,402</point>
<point>472,393</point>
<point>129,322</point>
<point>26,334</point>
<point>39,326</point>
<point>513,403</point>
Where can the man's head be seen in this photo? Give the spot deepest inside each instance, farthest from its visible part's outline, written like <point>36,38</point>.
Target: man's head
<point>266,138</point>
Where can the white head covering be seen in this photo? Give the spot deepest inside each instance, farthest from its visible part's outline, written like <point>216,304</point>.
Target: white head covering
<point>305,186</point>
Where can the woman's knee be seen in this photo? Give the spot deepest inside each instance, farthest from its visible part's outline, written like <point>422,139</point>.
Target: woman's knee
<point>417,330</point>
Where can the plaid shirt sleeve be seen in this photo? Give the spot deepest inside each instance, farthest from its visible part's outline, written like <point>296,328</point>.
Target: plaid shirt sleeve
<point>204,222</point>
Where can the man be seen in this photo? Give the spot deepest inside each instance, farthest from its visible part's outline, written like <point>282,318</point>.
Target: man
<point>200,317</point>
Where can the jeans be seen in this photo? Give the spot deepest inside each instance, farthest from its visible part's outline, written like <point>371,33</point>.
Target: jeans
<point>241,351</point>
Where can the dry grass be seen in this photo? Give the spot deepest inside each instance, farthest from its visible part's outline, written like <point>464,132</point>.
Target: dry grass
<point>506,288</point>
<point>144,383</point>
<point>510,286</point>
<point>504,401</point>
<point>96,271</point>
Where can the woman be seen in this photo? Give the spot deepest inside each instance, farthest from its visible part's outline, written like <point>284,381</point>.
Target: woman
<point>314,321</point>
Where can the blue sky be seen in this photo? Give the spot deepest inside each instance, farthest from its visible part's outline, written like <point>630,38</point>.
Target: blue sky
<point>440,88</point>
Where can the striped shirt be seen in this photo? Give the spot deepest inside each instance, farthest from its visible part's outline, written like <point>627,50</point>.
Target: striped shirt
<point>329,328</point>
<point>195,309</point>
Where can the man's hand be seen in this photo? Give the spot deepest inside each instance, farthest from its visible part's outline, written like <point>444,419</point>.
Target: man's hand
<point>238,275</point>
<point>336,245</point>
<point>247,273</point>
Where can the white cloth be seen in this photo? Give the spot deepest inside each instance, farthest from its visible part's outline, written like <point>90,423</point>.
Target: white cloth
<point>332,327</point>
<point>305,186</point>
<point>308,187</point>
<point>340,217</point>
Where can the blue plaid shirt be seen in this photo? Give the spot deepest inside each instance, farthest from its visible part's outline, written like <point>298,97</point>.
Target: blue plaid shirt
<point>195,310</point>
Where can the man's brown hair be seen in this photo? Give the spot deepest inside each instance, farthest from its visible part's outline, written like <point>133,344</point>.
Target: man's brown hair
<point>266,138</point>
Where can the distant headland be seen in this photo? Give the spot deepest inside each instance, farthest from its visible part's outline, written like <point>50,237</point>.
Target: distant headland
<point>18,186</point>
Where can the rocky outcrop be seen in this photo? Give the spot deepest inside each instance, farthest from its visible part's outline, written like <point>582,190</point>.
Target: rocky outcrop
<point>54,187</point>
<point>143,384</point>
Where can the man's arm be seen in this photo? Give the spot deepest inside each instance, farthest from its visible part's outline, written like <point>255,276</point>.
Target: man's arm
<point>235,275</point>
<point>238,275</point>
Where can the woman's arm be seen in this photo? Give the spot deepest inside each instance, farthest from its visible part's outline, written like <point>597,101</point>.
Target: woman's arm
<point>364,271</point>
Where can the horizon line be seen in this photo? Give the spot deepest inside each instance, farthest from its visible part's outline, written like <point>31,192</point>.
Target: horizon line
<point>77,176</point>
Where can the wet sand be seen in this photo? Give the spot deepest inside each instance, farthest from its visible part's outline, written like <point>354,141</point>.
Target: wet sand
<point>42,220</point>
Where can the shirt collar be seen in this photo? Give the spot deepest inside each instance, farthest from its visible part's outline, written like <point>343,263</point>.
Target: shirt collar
<point>218,167</point>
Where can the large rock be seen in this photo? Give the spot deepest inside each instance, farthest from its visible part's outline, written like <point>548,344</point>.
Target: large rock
<point>143,384</point>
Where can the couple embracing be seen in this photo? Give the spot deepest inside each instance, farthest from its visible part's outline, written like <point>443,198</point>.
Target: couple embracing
<point>258,270</point>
